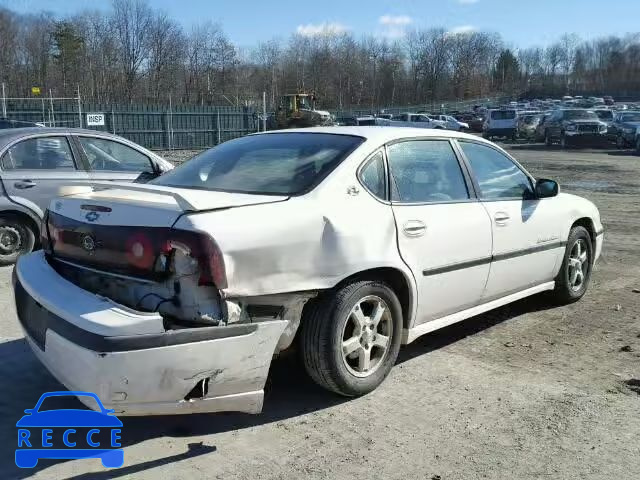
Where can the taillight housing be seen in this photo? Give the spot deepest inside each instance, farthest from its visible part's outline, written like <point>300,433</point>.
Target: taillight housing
<point>204,249</point>
<point>132,250</point>
<point>45,242</point>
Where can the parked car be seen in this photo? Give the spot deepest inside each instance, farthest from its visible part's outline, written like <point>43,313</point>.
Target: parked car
<point>416,120</point>
<point>9,123</point>
<point>361,238</point>
<point>574,127</point>
<point>527,125</point>
<point>624,127</point>
<point>605,115</point>
<point>608,100</point>
<point>540,128</point>
<point>500,123</point>
<point>36,163</point>
<point>451,123</point>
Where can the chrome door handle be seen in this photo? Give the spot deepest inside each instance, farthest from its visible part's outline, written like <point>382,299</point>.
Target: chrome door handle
<point>501,218</point>
<point>414,228</point>
<point>24,184</point>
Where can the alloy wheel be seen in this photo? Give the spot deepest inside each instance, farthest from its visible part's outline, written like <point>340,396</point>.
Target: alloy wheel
<point>578,265</point>
<point>366,336</point>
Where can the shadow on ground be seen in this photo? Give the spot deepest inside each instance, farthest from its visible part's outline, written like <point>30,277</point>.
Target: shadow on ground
<point>289,393</point>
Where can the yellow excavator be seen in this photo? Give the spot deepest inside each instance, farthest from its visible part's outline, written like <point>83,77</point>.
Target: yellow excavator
<point>297,110</point>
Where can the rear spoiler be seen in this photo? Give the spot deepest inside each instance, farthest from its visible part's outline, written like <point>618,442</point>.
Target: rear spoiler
<point>184,204</point>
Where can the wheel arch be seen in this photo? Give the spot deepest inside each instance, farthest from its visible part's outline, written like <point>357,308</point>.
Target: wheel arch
<point>29,219</point>
<point>588,224</point>
<point>397,280</point>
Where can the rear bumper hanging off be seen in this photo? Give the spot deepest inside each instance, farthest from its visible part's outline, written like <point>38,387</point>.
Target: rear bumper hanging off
<point>127,358</point>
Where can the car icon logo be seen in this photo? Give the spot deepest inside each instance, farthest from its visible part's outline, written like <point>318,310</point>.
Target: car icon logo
<point>88,243</point>
<point>76,433</point>
<point>92,216</point>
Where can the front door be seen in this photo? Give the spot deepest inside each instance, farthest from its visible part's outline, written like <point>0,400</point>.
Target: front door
<point>35,170</point>
<point>526,231</point>
<point>444,234</point>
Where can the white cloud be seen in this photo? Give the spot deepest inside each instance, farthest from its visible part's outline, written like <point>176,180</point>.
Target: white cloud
<point>394,26</point>
<point>321,29</point>
<point>468,2</point>
<point>462,29</point>
<point>395,20</point>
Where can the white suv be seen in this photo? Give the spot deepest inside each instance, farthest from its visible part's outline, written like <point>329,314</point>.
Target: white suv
<point>173,296</point>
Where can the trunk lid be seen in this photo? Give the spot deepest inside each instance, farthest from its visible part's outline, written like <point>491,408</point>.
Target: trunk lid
<point>128,229</point>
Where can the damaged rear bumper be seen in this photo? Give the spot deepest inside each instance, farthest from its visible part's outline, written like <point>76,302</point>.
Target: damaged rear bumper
<point>127,357</point>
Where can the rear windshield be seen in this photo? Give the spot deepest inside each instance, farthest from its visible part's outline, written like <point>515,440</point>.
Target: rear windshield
<point>604,114</point>
<point>272,164</point>
<point>630,117</point>
<point>503,115</point>
<point>580,115</point>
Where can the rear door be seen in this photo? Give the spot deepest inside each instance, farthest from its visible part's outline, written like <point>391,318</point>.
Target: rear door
<point>35,169</point>
<point>527,241</point>
<point>444,233</point>
<point>110,160</point>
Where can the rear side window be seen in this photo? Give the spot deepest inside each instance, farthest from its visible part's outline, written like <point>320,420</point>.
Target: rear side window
<point>108,155</point>
<point>372,176</point>
<point>44,153</point>
<point>498,177</point>
<point>503,115</point>
<point>425,172</point>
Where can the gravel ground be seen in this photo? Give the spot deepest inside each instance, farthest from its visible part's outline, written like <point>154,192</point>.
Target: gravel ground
<point>526,391</point>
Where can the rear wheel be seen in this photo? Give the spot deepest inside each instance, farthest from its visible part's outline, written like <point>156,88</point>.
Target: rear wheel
<point>574,276</point>
<point>548,141</point>
<point>350,339</point>
<point>620,142</point>
<point>564,143</point>
<point>16,238</point>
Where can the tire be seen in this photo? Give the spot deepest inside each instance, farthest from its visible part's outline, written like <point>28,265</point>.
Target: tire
<point>566,290</point>
<point>16,238</point>
<point>620,142</point>
<point>563,141</point>
<point>332,319</point>
<point>638,145</point>
<point>548,141</point>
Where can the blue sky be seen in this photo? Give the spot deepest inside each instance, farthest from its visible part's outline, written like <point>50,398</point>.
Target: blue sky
<point>520,22</point>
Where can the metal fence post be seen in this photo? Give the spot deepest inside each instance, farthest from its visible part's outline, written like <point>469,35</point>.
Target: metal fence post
<point>264,111</point>
<point>53,113</point>
<point>4,102</point>
<point>79,108</point>
<point>44,121</point>
<point>218,125</point>
<point>113,121</point>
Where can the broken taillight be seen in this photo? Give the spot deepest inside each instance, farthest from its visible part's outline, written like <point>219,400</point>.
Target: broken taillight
<point>205,251</point>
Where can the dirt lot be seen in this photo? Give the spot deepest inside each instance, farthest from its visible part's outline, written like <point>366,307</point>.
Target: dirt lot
<point>526,391</point>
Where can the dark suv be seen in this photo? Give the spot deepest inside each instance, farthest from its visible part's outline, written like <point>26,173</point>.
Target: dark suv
<point>574,127</point>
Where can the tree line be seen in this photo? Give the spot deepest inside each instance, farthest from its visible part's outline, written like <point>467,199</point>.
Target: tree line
<point>133,53</point>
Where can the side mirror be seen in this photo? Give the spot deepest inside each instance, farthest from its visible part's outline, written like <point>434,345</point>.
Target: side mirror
<point>546,188</point>
<point>145,177</point>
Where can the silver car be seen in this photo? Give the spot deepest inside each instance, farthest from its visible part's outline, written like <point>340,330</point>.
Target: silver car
<point>35,163</point>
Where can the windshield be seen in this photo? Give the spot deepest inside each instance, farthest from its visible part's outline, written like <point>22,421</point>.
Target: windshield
<point>503,114</point>
<point>275,164</point>
<point>630,117</point>
<point>580,115</point>
<point>604,114</point>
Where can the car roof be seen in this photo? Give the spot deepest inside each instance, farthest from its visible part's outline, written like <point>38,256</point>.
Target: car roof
<point>10,134</point>
<point>382,134</point>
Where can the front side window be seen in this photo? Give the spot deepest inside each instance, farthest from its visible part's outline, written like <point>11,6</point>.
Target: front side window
<point>104,154</point>
<point>272,164</point>
<point>425,171</point>
<point>372,176</point>
<point>497,176</point>
<point>44,153</point>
